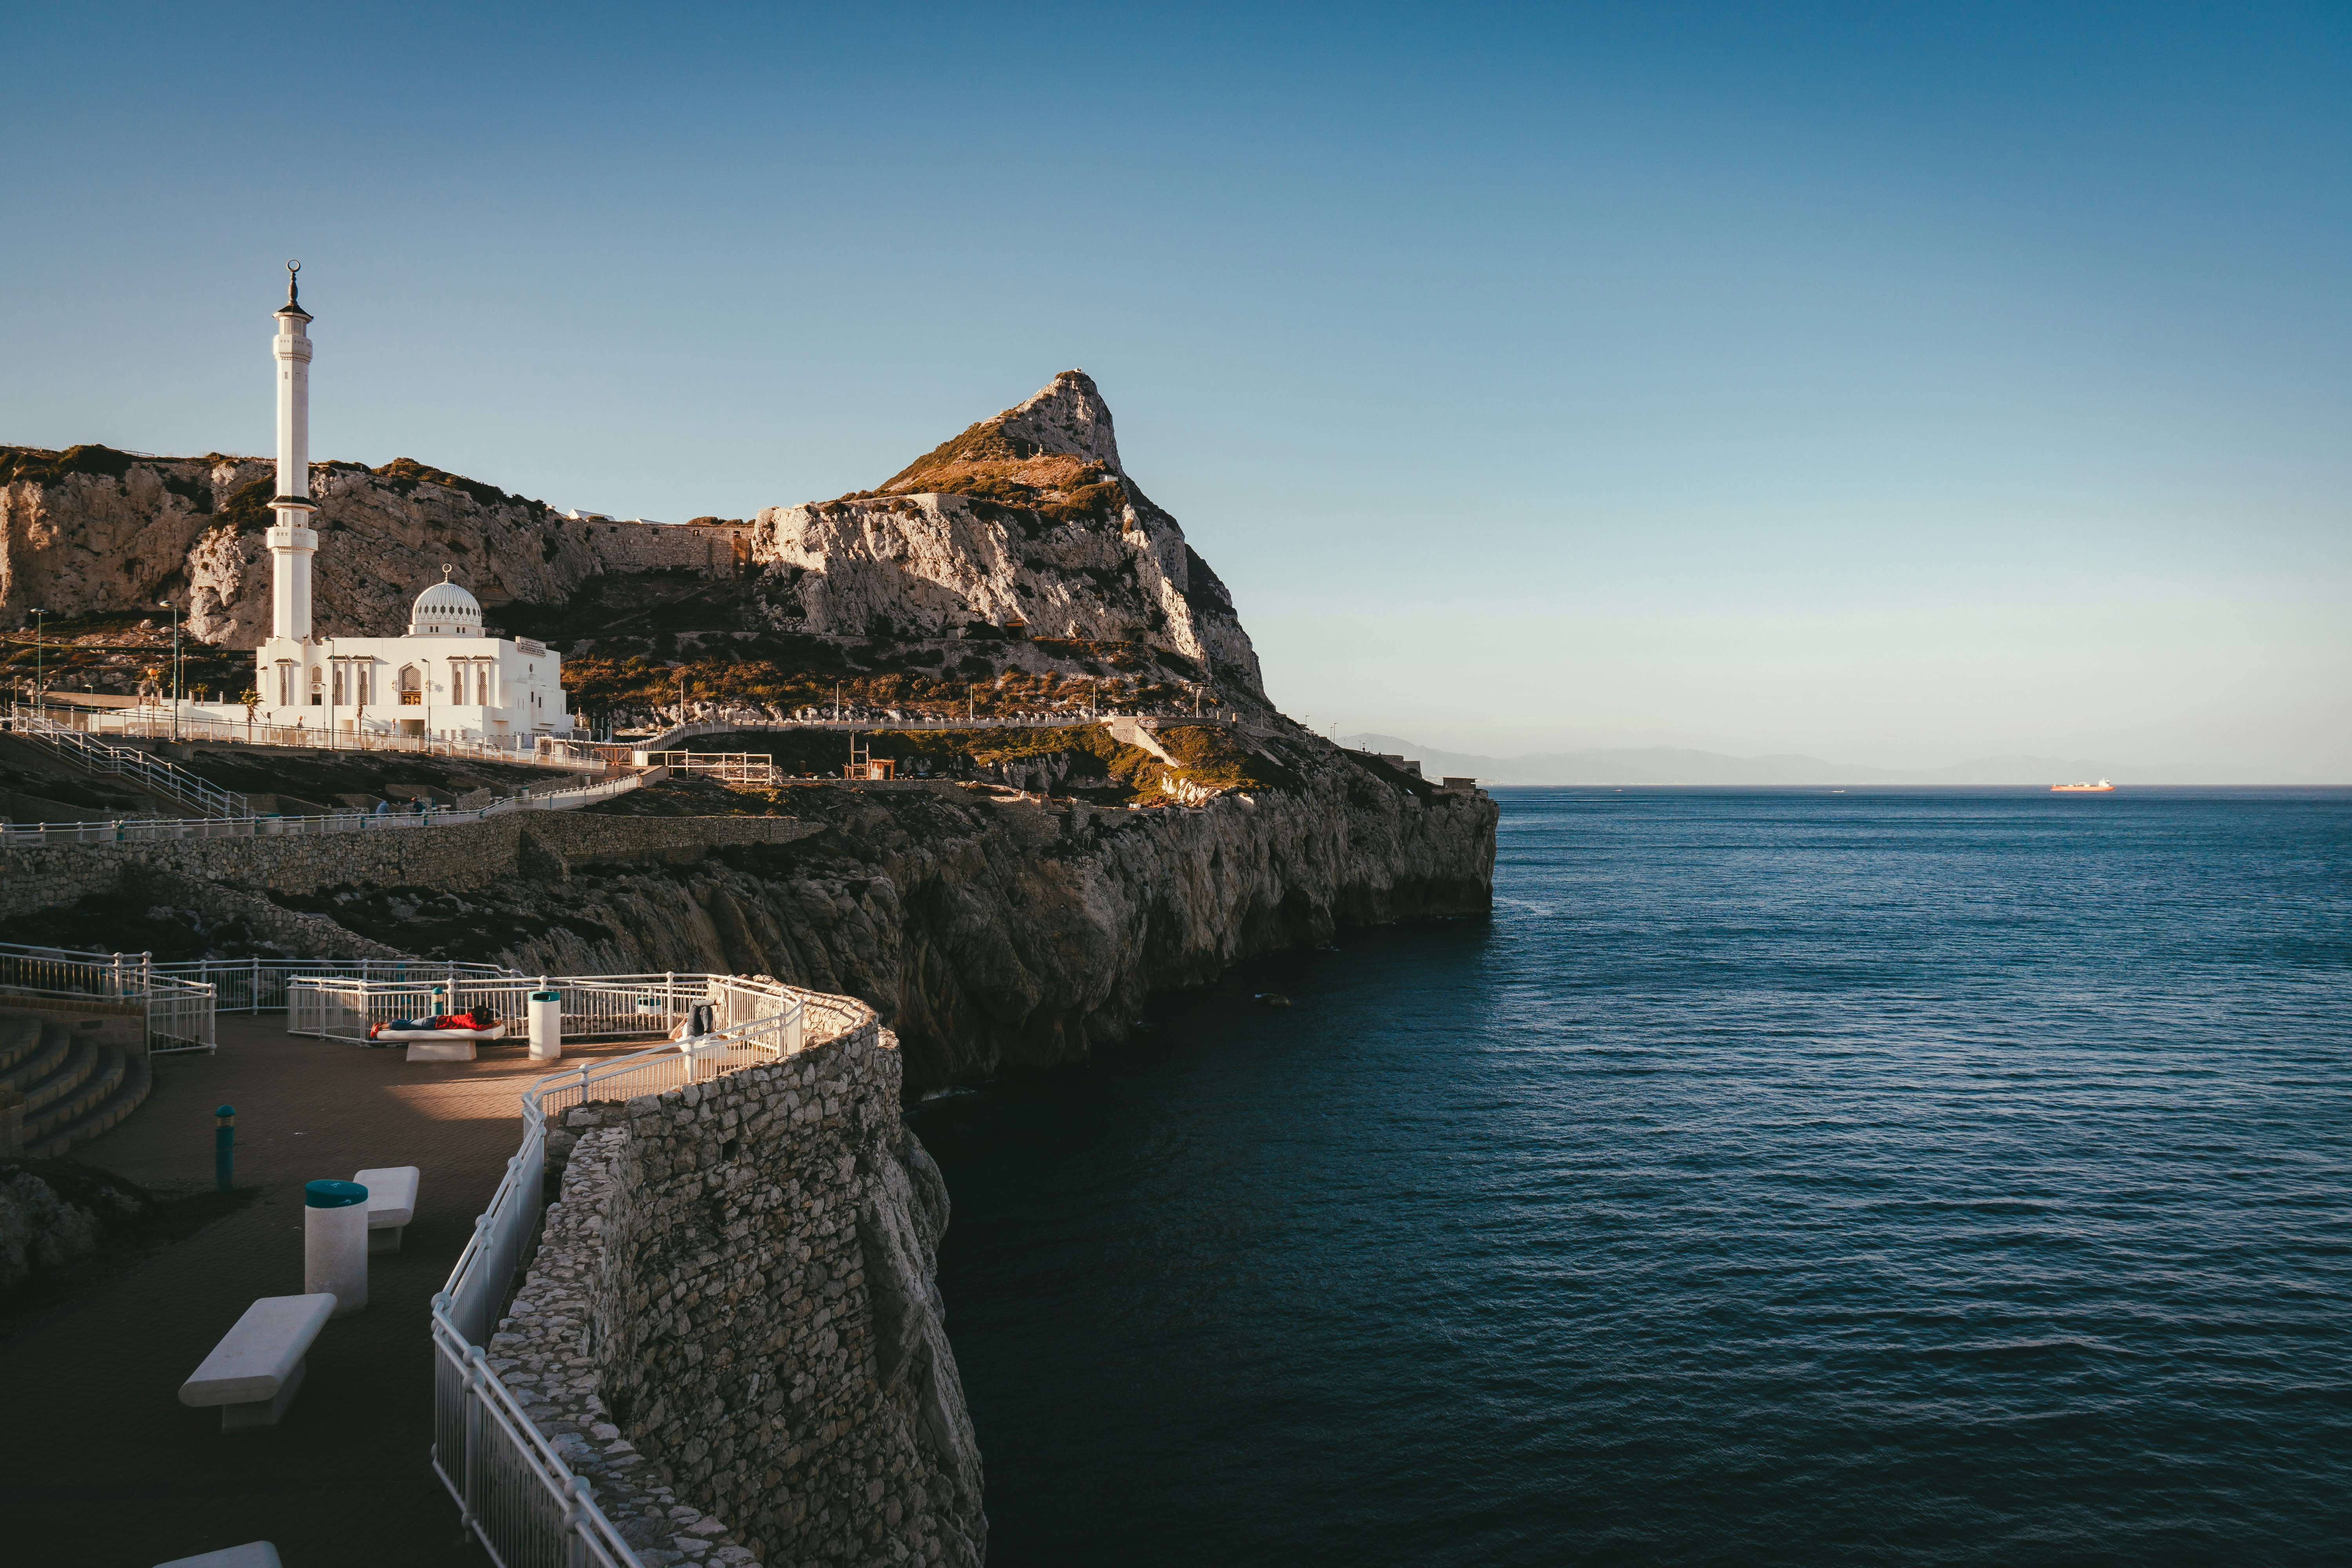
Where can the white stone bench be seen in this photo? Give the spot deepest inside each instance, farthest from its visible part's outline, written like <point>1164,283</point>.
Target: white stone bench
<point>392,1204</point>
<point>699,1048</point>
<point>252,1554</point>
<point>253,1373</point>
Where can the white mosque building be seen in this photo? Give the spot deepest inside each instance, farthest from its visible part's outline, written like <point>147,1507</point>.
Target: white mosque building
<point>445,679</point>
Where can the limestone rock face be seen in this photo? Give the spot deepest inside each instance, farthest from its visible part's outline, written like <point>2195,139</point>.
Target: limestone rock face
<point>122,532</point>
<point>81,543</point>
<point>1069,416</point>
<point>381,541</point>
<point>1026,516</point>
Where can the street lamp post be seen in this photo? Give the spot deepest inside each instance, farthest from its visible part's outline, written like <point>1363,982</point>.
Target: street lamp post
<point>37,662</point>
<point>168,605</point>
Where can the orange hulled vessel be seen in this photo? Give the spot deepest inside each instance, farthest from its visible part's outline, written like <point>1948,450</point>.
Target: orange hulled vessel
<point>2102,787</point>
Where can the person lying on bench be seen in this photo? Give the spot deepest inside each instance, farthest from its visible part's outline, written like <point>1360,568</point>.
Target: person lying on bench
<point>480,1018</point>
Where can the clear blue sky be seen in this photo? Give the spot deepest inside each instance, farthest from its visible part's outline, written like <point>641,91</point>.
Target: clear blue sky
<point>1897,383</point>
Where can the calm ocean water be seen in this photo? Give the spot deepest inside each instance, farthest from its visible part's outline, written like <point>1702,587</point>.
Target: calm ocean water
<point>1780,1176</point>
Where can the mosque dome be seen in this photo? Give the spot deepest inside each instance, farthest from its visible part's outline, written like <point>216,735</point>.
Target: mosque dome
<point>445,610</point>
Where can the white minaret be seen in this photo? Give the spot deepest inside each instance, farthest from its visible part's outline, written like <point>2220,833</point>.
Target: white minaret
<point>292,541</point>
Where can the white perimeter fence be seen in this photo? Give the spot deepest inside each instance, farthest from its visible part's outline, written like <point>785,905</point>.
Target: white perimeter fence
<point>517,1496</point>
<point>342,1006</point>
<point>178,1008</point>
<point>258,985</point>
<point>150,830</point>
<point>155,723</point>
<point>150,772</point>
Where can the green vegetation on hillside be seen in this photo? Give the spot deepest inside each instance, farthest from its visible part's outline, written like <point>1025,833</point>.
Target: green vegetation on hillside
<point>988,465</point>
<point>404,474</point>
<point>644,631</point>
<point>112,652</point>
<point>40,467</point>
<point>1213,756</point>
<point>1083,761</point>
<point>247,510</point>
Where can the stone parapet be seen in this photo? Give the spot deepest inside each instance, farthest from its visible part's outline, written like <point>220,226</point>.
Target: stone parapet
<point>733,1316</point>
<point>465,855</point>
<point>542,1353</point>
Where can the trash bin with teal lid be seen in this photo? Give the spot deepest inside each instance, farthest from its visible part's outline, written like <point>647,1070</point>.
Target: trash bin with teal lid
<point>334,1243</point>
<point>546,1025</point>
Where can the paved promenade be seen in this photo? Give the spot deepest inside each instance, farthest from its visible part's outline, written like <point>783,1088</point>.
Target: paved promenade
<point>100,1462</point>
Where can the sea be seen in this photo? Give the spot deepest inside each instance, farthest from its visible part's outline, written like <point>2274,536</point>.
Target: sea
<point>1778,1176</point>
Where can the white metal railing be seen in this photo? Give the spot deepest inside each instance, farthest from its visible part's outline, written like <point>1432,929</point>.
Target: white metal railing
<point>258,985</point>
<point>668,1067</point>
<point>599,1004</point>
<point>584,754</point>
<point>162,776</point>
<point>365,735</point>
<point>331,1005</point>
<point>755,769</point>
<point>887,719</point>
<point>150,829</point>
<point>180,1011</point>
<point>515,1492</point>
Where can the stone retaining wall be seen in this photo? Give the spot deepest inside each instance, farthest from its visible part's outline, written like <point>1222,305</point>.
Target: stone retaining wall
<point>742,1271</point>
<point>543,844</point>
<point>715,549</point>
<point>541,1353</point>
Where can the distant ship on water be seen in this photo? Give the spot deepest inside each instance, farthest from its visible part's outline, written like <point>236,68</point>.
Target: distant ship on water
<point>2102,787</point>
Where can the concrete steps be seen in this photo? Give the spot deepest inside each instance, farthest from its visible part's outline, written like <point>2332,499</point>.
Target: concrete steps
<point>128,1090</point>
<point>20,1036</point>
<point>40,1061</point>
<point>74,1088</point>
<point>65,1080</point>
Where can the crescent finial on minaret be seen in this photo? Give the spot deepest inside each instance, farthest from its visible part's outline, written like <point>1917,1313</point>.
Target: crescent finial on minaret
<point>293,306</point>
<point>445,570</point>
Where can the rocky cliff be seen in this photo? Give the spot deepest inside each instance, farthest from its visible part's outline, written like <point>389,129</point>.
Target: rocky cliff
<point>989,933</point>
<point>92,532</point>
<point>1027,517</point>
<point>1020,546</point>
<point>1016,567</point>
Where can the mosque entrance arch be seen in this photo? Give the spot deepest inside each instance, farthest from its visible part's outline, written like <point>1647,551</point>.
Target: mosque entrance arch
<point>410,683</point>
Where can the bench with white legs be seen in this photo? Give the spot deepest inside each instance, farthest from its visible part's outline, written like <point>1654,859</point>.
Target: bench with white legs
<point>252,1554</point>
<point>698,1049</point>
<point>253,1373</point>
<point>391,1204</point>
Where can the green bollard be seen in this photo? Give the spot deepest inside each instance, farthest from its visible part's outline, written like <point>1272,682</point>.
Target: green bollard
<point>225,1147</point>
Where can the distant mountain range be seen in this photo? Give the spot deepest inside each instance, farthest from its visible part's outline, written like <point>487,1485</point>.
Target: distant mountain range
<point>1665,765</point>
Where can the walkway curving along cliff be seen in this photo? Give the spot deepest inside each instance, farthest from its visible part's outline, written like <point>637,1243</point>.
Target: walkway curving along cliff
<point>731,1315</point>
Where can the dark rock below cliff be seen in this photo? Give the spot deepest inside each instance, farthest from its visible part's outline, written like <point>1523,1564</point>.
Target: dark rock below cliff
<point>989,932</point>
